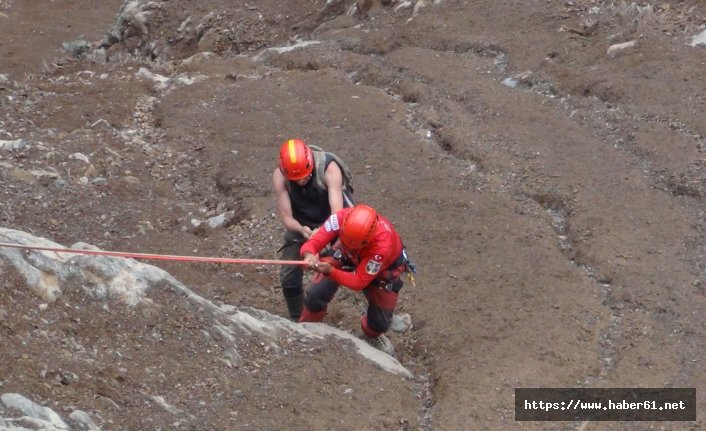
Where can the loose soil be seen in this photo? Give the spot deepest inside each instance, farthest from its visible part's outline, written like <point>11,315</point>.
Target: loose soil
<point>552,196</point>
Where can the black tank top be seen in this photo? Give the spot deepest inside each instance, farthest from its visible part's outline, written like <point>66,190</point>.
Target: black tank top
<point>310,205</point>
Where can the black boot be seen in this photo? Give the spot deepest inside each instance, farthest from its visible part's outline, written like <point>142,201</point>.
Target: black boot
<point>295,305</point>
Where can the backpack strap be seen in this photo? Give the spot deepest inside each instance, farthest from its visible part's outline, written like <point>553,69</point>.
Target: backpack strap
<point>320,164</point>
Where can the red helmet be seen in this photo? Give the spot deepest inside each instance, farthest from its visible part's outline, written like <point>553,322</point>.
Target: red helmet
<point>295,159</point>
<point>358,227</point>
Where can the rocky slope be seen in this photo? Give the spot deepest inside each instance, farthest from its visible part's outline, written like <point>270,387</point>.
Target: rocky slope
<point>544,162</point>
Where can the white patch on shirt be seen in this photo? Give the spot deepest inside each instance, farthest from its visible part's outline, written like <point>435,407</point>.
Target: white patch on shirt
<point>331,224</point>
<point>373,267</point>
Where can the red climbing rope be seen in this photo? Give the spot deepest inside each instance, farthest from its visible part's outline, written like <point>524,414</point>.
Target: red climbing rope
<point>156,256</point>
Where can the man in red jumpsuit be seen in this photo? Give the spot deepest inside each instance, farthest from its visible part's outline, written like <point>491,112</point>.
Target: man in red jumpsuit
<point>370,246</point>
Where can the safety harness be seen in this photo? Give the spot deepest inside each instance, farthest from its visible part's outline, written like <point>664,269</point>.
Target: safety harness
<point>389,279</point>
<point>402,265</point>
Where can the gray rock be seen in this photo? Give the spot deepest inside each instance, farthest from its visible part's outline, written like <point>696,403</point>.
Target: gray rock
<point>401,322</point>
<point>17,144</point>
<point>80,156</point>
<point>207,43</point>
<point>199,58</point>
<point>699,39</point>
<point>132,25</point>
<point>99,56</point>
<point>160,82</point>
<point>77,48</point>
<point>619,48</point>
<point>83,421</point>
<point>221,220</point>
<point>47,273</point>
<point>418,6</point>
<point>42,415</point>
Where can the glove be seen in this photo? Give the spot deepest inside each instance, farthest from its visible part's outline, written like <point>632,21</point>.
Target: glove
<point>311,260</point>
<point>332,261</point>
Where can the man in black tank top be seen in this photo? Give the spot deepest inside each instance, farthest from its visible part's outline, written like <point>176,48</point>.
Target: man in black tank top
<point>303,205</point>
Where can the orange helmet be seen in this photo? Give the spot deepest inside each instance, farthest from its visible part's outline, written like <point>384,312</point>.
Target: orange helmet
<point>295,159</point>
<point>358,227</point>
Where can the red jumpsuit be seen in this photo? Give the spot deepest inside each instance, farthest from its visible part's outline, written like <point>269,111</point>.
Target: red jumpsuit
<point>377,269</point>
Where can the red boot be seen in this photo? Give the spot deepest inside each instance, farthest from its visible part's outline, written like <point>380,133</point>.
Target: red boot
<point>367,330</point>
<point>308,316</point>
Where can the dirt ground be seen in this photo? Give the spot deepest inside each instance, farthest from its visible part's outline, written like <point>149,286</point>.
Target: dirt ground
<point>551,191</point>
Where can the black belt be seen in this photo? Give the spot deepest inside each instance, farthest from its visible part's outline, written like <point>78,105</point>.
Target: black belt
<point>390,286</point>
